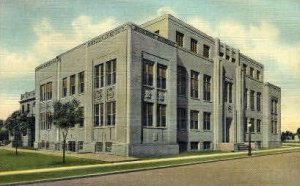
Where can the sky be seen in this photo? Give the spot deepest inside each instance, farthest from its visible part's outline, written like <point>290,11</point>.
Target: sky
<point>34,31</point>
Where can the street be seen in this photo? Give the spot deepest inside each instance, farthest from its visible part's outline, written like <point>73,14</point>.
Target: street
<point>281,169</point>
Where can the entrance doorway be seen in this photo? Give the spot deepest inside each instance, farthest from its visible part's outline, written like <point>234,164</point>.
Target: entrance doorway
<point>226,130</point>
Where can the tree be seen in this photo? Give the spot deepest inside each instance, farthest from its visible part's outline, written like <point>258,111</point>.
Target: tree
<point>287,135</point>
<point>3,131</point>
<point>15,124</point>
<point>65,116</point>
<point>298,133</point>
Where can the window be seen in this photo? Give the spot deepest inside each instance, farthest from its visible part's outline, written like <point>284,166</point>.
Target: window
<point>258,125</point>
<point>147,114</point>
<point>72,84</point>
<point>246,98</point>
<point>157,32</point>
<point>274,128</point>
<point>194,145</point>
<point>252,72</point>
<point>233,60</point>
<point>65,87</point>
<point>80,145</point>
<point>252,99</point>
<point>98,146</point>
<point>161,76</point>
<point>258,96</point>
<point>49,91</point>
<point>252,125</point>
<point>108,146</point>
<point>206,120</point>
<point>161,115</point>
<point>71,146</point>
<point>43,92</point>
<point>274,106</point>
<point>81,82</point>
<point>181,81</point>
<point>245,69</point>
<point>194,84</point>
<point>258,75</point>
<point>81,123</point>
<point>28,108</point>
<point>45,121</point>
<point>207,145</point>
<point>111,72</point>
<point>206,51</point>
<point>194,120</point>
<point>194,45</point>
<point>111,113</point>
<point>228,92</point>
<point>148,73</point>
<point>206,87</point>
<point>98,115</point>
<point>181,118</point>
<point>179,38</point>
<point>99,76</point>
<point>23,109</point>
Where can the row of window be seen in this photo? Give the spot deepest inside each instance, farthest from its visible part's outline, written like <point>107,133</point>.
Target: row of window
<point>108,75</point>
<point>251,72</point>
<point>46,91</point>
<point>252,127</point>
<point>45,123</point>
<point>195,145</point>
<point>148,67</point>
<point>252,100</point>
<point>227,92</point>
<point>194,79</point>
<point>221,54</point>
<point>72,87</point>
<point>101,146</point>
<point>148,115</point>
<point>193,46</point>
<point>194,122</point>
<point>109,112</point>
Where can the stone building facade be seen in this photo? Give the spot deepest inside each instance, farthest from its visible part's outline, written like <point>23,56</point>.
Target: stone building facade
<point>158,88</point>
<point>27,106</point>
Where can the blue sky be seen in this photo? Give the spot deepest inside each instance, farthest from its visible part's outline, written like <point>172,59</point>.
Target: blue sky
<point>33,31</point>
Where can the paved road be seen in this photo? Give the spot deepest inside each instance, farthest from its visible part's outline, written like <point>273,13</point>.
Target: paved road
<point>282,169</point>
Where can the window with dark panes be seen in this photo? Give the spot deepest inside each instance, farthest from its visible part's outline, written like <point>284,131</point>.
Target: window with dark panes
<point>206,51</point>
<point>111,113</point>
<point>179,38</point>
<point>147,114</point>
<point>181,81</point>
<point>161,76</point>
<point>206,88</point>
<point>161,115</point>
<point>194,84</point>
<point>111,72</point>
<point>65,87</point>
<point>194,119</point>
<point>194,45</point>
<point>206,120</point>
<point>81,82</point>
<point>72,85</point>
<point>148,73</point>
<point>181,118</point>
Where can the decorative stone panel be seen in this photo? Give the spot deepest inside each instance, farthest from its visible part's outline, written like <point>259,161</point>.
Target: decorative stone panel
<point>98,96</point>
<point>161,96</point>
<point>110,94</point>
<point>148,94</point>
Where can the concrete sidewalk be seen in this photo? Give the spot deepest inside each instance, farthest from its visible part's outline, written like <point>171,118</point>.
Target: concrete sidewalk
<point>225,155</point>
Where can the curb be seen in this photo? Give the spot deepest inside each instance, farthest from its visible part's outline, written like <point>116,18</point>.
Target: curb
<point>144,169</point>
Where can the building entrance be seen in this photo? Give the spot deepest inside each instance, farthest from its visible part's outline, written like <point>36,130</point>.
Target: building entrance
<point>226,130</point>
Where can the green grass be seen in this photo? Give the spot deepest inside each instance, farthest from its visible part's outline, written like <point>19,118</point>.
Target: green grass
<point>26,160</point>
<point>124,167</point>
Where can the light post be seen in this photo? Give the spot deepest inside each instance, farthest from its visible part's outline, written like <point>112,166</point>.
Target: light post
<point>249,140</point>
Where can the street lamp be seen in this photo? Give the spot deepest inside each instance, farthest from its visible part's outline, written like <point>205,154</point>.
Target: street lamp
<point>249,146</point>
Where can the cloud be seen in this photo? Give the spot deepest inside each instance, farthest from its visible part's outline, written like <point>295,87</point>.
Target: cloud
<point>165,10</point>
<point>50,43</point>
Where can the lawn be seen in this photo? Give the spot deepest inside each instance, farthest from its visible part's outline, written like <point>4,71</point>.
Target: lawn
<point>26,160</point>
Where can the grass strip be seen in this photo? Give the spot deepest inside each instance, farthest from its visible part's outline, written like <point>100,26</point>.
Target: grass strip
<point>68,174</point>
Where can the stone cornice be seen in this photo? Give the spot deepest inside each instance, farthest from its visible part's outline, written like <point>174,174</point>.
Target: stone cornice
<point>251,61</point>
<point>272,86</point>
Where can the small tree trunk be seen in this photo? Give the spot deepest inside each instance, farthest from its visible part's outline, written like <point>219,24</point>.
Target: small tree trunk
<point>64,150</point>
<point>16,147</point>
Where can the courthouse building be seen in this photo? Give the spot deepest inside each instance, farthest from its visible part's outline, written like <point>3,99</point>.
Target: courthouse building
<point>158,88</point>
